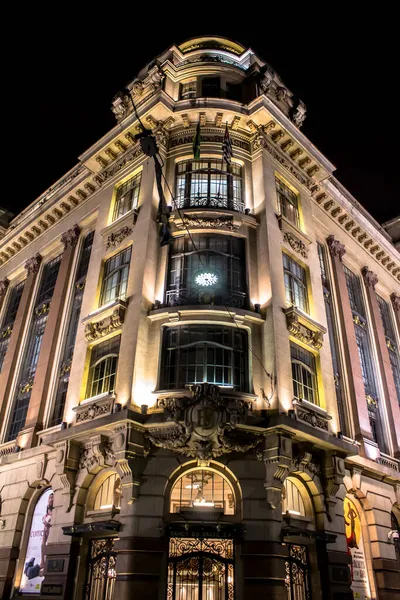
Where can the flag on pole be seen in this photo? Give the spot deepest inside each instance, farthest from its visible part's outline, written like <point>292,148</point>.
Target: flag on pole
<point>227,151</point>
<point>196,142</point>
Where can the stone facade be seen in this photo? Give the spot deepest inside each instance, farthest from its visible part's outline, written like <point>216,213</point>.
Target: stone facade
<point>133,465</point>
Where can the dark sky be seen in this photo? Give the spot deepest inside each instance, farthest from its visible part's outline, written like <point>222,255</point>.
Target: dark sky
<point>60,82</point>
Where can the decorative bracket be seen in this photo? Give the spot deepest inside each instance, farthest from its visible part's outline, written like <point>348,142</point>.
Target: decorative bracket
<point>303,328</point>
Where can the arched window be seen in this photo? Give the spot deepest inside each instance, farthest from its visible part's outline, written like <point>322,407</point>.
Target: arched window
<point>204,353</point>
<point>109,494</point>
<point>208,184</point>
<point>103,367</point>
<point>292,500</point>
<point>216,274</point>
<point>202,490</point>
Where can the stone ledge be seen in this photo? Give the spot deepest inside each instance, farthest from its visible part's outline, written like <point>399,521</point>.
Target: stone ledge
<point>303,328</point>
<point>104,321</point>
<point>311,414</point>
<point>293,236</point>
<point>93,408</point>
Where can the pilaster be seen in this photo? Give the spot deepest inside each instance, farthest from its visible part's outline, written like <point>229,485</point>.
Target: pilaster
<point>385,368</point>
<point>395,298</point>
<point>34,419</point>
<point>10,360</point>
<point>358,403</point>
<point>4,285</point>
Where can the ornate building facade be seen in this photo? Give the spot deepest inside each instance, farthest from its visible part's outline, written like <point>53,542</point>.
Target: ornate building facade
<point>215,417</point>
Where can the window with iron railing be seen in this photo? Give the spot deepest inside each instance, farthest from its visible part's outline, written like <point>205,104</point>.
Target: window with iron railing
<point>73,323</point>
<point>295,283</point>
<point>32,348</point>
<point>209,184</point>
<point>304,374</point>
<point>14,298</point>
<point>333,338</point>
<point>195,354</point>
<point>127,196</point>
<point>215,274</point>
<point>288,203</point>
<point>115,276</point>
<point>103,367</point>
<point>391,342</point>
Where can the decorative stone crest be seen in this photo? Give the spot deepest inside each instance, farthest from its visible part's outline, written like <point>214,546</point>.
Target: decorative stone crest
<point>299,114</point>
<point>120,106</point>
<point>296,244</point>
<point>4,283</point>
<point>32,265</point>
<point>115,239</point>
<point>335,247</point>
<point>312,419</point>
<point>204,425</point>
<point>395,302</point>
<point>70,237</point>
<point>194,221</point>
<point>96,454</point>
<point>370,278</point>
<point>302,329</point>
<point>113,321</point>
<point>95,409</point>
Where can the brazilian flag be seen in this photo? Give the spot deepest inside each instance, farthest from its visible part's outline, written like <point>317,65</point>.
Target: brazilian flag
<point>196,142</point>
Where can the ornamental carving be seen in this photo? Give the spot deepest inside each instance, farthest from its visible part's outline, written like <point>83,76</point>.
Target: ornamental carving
<point>98,329</point>
<point>336,249</point>
<point>70,238</point>
<point>121,106</point>
<point>194,221</point>
<point>115,239</point>
<point>301,329</point>
<point>4,283</point>
<point>6,332</point>
<point>95,409</point>
<point>204,425</point>
<point>96,454</point>
<point>43,309</point>
<point>370,278</point>
<point>299,114</point>
<point>128,157</point>
<point>312,419</point>
<point>296,244</point>
<point>395,302</point>
<point>32,265</point>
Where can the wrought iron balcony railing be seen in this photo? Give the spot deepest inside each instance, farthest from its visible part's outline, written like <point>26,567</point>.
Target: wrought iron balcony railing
<point>211,202</point>
<point>182,296</point>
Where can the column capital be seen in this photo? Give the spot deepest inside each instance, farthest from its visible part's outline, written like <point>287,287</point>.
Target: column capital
<point>395,302</point>
<point>336,248</point>
<point>70,237</point>
<point>370,278</point>
<point>4,283</point>
<point>32,264</point>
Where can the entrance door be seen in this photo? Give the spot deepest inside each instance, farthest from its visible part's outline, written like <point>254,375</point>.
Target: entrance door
<point>297,576</point>
<point>101,570</point>
<point>200,569</point>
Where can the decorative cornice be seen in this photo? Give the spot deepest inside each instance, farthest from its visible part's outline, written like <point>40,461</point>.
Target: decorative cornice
<point>370,278</point>
<point>395,302</point>
<point>105,323</point>
<point>303,329</point>
<point>335,247</point>
<point>70,237</point>
<point>94,409</point>
<point>115,239</point>
<point>4,283</point>
<point>32,265</point>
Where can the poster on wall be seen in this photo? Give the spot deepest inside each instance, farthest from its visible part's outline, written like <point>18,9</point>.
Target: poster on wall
<point>355,547</point>
<point>33,568</point>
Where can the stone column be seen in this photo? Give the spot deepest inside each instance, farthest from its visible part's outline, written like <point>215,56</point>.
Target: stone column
<point>4,283</point>
<point>396,307</point>
<point>34,418</point>
<point>385,368</point>
<point>10,360</point>
<point>140,567</point>
<point>358,403</point>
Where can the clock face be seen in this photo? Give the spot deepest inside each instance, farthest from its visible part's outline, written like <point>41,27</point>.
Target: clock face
<point>206,279</point>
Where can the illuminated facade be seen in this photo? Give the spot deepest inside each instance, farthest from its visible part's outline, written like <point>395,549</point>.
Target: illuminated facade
<point>217,417</point>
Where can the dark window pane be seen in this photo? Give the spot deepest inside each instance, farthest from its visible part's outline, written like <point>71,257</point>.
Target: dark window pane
<point>211,87</point>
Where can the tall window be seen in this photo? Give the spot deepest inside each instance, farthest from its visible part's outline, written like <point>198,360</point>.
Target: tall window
<point>73,323</point>
<point>214,275</point>
<point>209,184</point>
<point>364,351</point>
<point>115,276</point>
<point>127,196</point>
<point>211,87</point>
<point>288,204</point>
<point>304,374</point>
<point>295,283</point>
<point>333,338</point>
<point>103,367</point>
<point>204,353</point>
<point>9,318</point>
<point>390,342</point>
<point>189,89</point>
<point>32,348</point>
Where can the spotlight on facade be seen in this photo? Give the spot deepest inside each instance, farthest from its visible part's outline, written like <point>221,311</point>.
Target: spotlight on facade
<point>340,435</point>
<point>17,449</point>
<point>117,407</point>
<point>144,408</point>
<point>257,308</point>
<point>291,413</point>
<point>157,304</point>
<point>64,425</point>
<point>246,211</point>
<point>393,534</point>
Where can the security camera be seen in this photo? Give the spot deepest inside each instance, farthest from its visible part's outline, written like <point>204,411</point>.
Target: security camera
<point>393,534</point>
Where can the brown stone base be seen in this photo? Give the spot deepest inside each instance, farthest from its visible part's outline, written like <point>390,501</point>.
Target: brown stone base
<point>387,573</point>
<point>263,567</point>
<point>334,573</point>
<point>8,559</point>
<point>140,567</point>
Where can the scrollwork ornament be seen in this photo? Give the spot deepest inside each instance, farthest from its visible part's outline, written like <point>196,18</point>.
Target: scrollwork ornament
<point>32,265</point>
<point>4,284</point>
<point>70,237</point>
<point>336,248</point>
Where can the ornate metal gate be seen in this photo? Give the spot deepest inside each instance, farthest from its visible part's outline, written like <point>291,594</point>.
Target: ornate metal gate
<point>101,570</point>
<point>200,569</point>
<point>297,575</point>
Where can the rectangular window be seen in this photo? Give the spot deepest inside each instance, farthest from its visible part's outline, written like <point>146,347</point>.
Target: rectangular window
<point>211,87</point>
<point>73,323</point>
<point>127,196</point>
<point>9,318</point>
<point>355,292</point>
<point>304,374</point>
<point>48,282</point>
<point>391,342</point>
<point>103,367</point>
<point>295,283</point>
<point>188,90</point>
<point>115,276</point>
<point>288,204</point>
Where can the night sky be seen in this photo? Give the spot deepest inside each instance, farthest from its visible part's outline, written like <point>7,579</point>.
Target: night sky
<point>69,68</point>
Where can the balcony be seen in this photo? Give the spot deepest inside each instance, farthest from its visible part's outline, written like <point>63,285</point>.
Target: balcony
<point>210,202</point>
<point>182,297</point>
